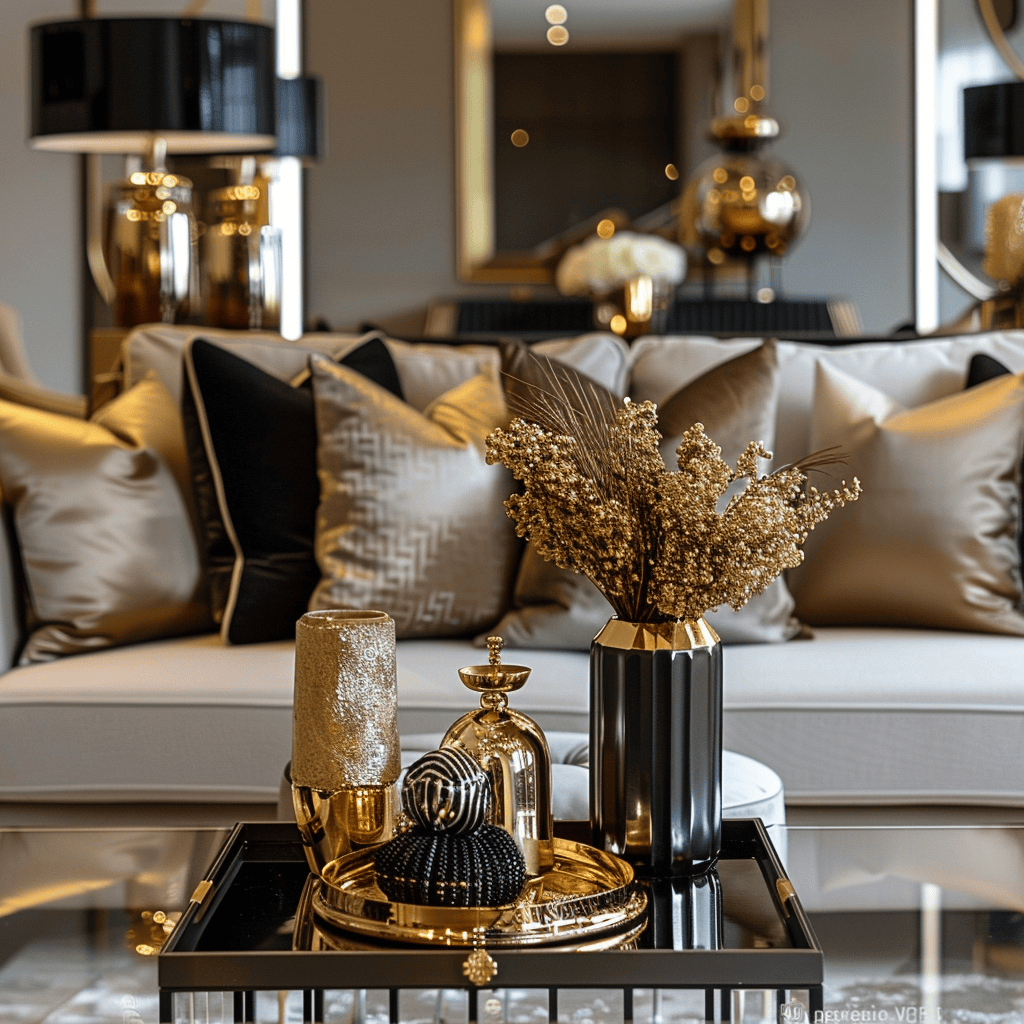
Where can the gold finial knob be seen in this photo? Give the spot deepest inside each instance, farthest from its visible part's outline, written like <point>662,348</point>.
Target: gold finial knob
<point>494,646</point>
<point>494,677</point>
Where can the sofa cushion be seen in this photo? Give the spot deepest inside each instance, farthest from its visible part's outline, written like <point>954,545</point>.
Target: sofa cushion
<point>425,370</point>
<point>934,540</point>
<point>866,715</point>
<point>252,450</point>
<point>160,347</point>
<point>192,719</point>
<point>857,715</point>
<point>912,371</point>
<point>557,608</point>
<point>107,542</point>
<point>410,518</point>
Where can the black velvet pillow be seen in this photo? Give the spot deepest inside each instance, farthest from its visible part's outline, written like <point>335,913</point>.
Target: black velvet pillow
<point>982,368</point>
<point>252,452</point>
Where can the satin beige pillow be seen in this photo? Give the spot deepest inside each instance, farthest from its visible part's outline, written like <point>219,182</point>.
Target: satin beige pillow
<point>736,402</point>
<point>411,520</point>
<point>106,539</point>
<point>933,540</point>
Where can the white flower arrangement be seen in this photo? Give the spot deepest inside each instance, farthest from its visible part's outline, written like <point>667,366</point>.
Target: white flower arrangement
<point>600,265</point>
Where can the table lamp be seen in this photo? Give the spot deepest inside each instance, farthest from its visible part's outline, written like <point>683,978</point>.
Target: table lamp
<point>152,86</point>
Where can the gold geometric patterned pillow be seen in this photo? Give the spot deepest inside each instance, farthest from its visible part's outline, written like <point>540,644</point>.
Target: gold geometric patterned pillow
<point>107,542</point>
<point>933,541</point>
<point>411,519</point>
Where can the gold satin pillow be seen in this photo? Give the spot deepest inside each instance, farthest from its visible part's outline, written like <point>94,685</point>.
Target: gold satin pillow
<point>411,519</point>
<point>106,539</point>
<point>736,401</point>
<point>933,540</point>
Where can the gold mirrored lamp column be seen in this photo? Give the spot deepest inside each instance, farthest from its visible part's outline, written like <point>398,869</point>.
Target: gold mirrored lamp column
<point>241,254</point>
<point>251,250</point>
<point>150,242</point>
<point>513,751</point>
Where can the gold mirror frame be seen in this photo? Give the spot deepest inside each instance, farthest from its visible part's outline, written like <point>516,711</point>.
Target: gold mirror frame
<point>476,258</point>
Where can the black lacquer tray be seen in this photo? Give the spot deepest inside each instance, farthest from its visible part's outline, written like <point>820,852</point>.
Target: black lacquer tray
<point>237,934</point>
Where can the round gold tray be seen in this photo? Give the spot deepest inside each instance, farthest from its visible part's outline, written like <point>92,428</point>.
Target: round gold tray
<point>588,892</point>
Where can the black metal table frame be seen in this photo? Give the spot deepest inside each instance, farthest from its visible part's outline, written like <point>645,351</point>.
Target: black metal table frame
<point>313,1003</point>
<point>783,970</point>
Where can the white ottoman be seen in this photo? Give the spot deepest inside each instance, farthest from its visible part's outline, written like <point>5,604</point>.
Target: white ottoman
<point>749,789</point>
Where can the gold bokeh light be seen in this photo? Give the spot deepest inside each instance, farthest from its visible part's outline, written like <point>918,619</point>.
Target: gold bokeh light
<point>757,93</point>
<point>605,228</point>
<point>618,324</point>
<point>558,35</point>
<point>556,14</point>
<point>742,104</point>
<point>520,138</point>
<point>671,172</point>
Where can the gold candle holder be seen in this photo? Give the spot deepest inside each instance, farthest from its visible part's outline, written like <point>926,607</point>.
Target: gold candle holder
<point>346,756</point>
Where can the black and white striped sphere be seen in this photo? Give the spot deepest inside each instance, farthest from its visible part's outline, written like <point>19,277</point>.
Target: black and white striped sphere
<point>447,791</point>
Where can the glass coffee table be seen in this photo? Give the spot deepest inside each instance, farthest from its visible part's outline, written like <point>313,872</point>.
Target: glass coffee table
<point>917,924</point>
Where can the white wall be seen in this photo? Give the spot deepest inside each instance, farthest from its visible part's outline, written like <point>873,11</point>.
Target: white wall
<point>381,208</point>
<point>39,235</point>
<point>841,77</point>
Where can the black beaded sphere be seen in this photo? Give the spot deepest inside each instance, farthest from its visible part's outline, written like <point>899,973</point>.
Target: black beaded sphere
<point>483,868</point>
<point>447,791</point>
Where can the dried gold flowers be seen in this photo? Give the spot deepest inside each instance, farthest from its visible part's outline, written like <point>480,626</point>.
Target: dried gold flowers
<point>599,500</point>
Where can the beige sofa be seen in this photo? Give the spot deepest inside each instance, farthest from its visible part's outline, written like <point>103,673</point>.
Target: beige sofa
<point>189,728</point>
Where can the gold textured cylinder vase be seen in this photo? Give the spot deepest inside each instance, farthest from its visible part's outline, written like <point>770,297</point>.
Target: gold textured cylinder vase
<point>346,756</point>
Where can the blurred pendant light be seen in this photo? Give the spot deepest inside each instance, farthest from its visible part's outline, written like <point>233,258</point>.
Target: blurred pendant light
<point>151,86</point>
<point>743,205</point>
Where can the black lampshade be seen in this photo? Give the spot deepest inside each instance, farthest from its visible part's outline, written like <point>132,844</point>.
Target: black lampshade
<point>994,121</point>
<point>109,85</point>
<point>300,117</point>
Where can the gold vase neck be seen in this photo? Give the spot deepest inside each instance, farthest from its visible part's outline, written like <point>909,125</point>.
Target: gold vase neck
<point>687,635</point>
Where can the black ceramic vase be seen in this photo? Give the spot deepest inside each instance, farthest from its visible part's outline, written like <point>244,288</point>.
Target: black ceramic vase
<point>656,745</point>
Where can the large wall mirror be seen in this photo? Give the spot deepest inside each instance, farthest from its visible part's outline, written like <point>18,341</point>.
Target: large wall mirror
<point>569,113</point>
<point>970,194</point>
